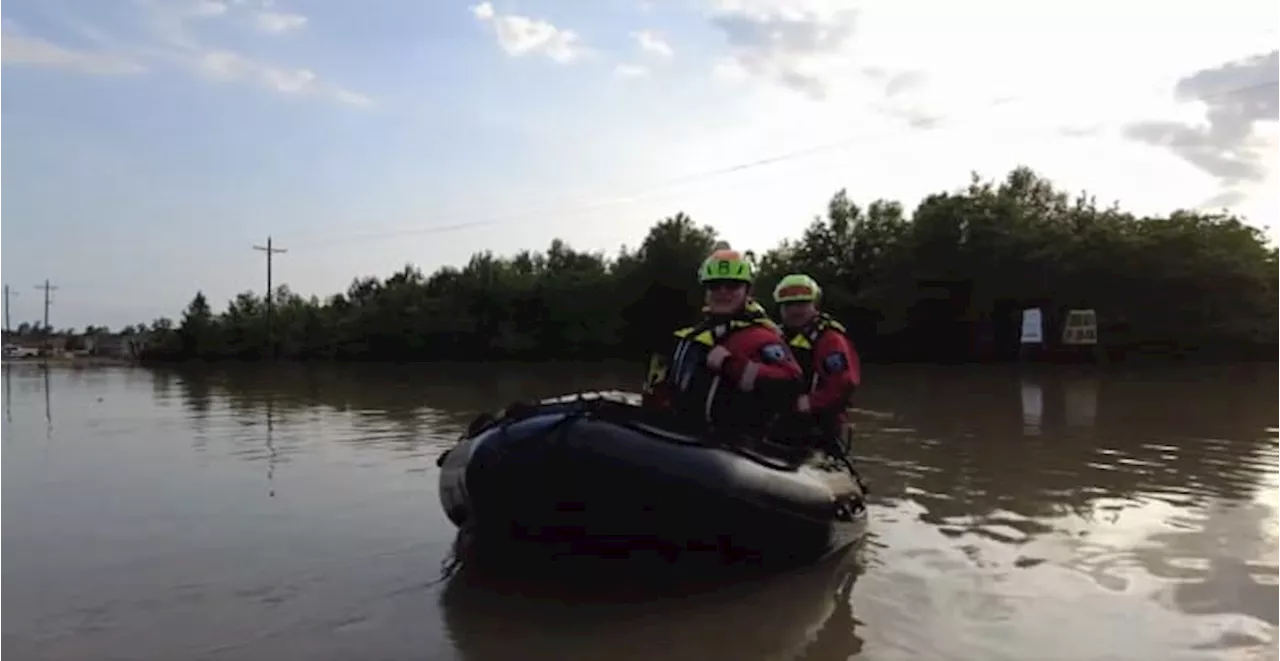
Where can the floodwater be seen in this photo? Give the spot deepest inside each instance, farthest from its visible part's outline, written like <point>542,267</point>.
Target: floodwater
<point>292,514</point>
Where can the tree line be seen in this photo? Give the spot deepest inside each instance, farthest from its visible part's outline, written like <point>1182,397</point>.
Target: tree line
<point>946,283</point>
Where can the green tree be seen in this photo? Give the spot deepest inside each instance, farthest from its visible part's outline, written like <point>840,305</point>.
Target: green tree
<point>945,282</point>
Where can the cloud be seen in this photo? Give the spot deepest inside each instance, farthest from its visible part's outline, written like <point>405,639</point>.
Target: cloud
<point>273,22</point>
<point>521,35</point>
<point>898,82</point>
<point>229,66</point>
<point>1236,96</point>
<point>630,71</point>
<point>1227,199</point>
<point>651,42</point>
<point>786,42</point>
<point>16,48</point>
<point>169,37</point>
<point>208,8</point>
<point>170,22</point>
<point>729,69</point>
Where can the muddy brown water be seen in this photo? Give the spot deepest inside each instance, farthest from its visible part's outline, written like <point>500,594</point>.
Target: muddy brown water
<point>292,514</point>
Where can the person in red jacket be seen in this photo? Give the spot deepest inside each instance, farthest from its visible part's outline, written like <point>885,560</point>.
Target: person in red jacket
<point>832,369</point>
<point>732,372</point>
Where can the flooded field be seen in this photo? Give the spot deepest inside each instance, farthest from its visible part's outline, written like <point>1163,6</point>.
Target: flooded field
<point>292,514</point>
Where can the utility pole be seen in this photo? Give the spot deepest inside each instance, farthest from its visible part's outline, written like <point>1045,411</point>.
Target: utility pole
<point>48,288</point>
<point>7,294</point>
<point>271,345</point>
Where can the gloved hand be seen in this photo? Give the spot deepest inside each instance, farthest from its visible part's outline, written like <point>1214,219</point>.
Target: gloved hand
<point>716,357</point>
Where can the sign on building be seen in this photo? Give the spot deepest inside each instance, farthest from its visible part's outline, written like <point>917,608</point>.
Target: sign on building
<point>1081,328</point>
<point>1032,326</point>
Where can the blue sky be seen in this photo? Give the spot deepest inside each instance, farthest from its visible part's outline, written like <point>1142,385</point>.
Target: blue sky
<point>150,143</point>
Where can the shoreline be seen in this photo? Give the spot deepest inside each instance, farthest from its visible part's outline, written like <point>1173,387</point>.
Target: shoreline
<point>1023,365</point>
<point>85,361</point>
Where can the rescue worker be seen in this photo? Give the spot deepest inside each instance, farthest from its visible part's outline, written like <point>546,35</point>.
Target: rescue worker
<point>832,369</point>
<point>732,372</point>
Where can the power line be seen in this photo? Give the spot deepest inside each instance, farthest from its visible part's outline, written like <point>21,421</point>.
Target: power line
<point>271,251</point>
<point>936,124</point>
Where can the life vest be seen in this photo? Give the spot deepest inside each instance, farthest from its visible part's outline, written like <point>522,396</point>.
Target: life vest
<point>804,340</point>
<point>685,371</point>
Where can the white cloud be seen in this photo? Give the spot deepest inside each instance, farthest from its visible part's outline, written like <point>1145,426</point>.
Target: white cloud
<point>169,37</point>
<point>208,8</point>
<point>277,22</point>
<point>917,93</point>
<point>224,64</point>
<point>958,61</point>
<point>21,49</point>
<point>178,42</point>
<point>290,81</point>
<point>651,42</point>
<point>521,35</point>
<point>729,69</point>
<point>1230,141</point>
<point>1138,111</point>
<point>791,42</point>
<point>630,71</point>
<point>228,66</point>
<point>350,98</point>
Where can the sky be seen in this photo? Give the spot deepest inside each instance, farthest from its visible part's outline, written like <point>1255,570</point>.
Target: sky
<point>148,145</point>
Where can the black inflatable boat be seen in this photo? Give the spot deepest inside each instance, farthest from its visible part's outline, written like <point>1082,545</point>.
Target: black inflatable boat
<point>594,474</point>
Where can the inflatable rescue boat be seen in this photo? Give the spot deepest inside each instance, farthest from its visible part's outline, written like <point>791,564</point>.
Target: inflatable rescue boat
<point>594,473</point>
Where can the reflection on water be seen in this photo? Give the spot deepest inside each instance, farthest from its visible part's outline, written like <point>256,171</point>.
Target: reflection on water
<point>1078,396</point>
<point>291,513</point>
<point>1080,404</point>
<point>271,446</point>
<point>1032,407</point>
<point>809,616</point>
<point>48,402</point>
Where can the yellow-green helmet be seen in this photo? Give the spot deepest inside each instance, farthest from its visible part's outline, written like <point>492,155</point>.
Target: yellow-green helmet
<point>796,288</point>
<point>726,264</point>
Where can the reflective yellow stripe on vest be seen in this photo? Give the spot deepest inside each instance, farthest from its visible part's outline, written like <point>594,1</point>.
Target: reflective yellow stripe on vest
<point>825,322</point>
<point>705,337</point>
<point>805,340</point>
<point>754,316</point>
<point>799,341</point>
<point>802,339</point>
